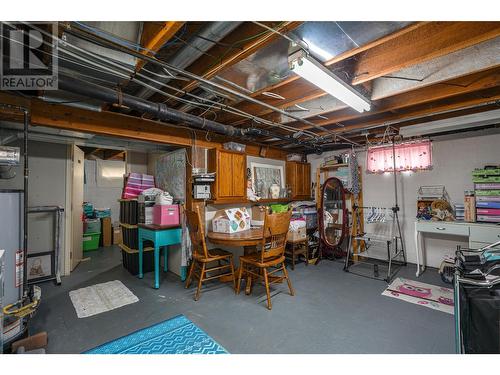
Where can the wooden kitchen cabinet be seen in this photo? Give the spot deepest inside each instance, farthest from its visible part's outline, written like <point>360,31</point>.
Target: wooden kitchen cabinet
<point>298,178</point>
<point>230,178</point>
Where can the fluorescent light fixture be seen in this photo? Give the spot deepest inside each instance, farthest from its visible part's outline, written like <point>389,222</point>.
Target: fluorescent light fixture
<point>320,52</point>
<point>316,73</point>
<point>452,124</point>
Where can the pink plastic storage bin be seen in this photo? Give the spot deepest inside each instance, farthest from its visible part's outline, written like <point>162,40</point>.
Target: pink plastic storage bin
<point>166,215</point>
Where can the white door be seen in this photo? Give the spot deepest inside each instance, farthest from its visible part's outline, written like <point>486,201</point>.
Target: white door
<point>78,160</point>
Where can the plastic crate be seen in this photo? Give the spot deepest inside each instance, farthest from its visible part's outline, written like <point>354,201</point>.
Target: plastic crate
<point>128,211</point>
<point>130,260</point>
<point>91,241</point>
<point>91,226</point>
<point>130,237</point>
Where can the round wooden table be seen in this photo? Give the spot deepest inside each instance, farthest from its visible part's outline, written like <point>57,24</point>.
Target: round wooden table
<point>248,239</point>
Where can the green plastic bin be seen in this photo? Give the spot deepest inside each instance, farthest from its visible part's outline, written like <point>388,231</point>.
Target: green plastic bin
<point>91,241</point>
<point>278,208</point>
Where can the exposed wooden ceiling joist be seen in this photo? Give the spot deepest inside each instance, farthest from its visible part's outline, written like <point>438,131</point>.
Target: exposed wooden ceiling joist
<point>470,83</point>
<point>155,35</point>
<point>431,40</point>
<point>434,39</point>
<point>416,112</point>
<point>476,58</point>
<point>468,100</point>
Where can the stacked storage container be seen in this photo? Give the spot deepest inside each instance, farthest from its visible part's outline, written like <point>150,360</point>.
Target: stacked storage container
<point>129,214</point>
<point>136,183</point>
<point>487,192</point>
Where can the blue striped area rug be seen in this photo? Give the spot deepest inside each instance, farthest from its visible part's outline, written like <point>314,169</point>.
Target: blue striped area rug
<point>178,335</point>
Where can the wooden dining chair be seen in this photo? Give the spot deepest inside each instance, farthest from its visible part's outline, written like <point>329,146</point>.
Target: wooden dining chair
<point>271,255</point>
<point>203,259</point>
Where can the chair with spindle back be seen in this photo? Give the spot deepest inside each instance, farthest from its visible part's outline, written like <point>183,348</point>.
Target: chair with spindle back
<point>270,255</point>
<point>202,257</point>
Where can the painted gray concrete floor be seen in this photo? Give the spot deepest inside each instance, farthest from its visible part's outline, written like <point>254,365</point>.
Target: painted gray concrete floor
<point>332,312</point>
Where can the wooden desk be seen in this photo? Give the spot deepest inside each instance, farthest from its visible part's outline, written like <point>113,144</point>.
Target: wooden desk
<point>161,235</point>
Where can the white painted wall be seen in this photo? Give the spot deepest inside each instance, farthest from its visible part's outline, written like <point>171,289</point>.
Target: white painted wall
<point>100,197</point>
<point>454,160</point>
<point>107,197</point>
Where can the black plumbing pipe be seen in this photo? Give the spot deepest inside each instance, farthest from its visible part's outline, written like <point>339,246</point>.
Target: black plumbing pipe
<point>25,207</point>
<point>161,111</point>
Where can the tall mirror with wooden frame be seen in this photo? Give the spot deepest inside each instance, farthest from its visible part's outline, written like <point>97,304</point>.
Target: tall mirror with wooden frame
<point>333,219</point>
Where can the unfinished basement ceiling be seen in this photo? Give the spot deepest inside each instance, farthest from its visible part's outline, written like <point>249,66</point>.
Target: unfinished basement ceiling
<point>269,66</point>
<point>236,75</point>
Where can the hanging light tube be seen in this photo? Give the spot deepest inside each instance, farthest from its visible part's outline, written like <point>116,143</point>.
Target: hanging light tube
<point>313,71</point>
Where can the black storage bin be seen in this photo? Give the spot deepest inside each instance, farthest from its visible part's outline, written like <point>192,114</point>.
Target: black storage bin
<point>130,259</point>
<point>128,211</point>
<point>130,238</point>
<point>480,319</point>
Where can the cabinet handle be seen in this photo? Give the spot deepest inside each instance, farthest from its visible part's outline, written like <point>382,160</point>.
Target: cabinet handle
<point>440,228</point>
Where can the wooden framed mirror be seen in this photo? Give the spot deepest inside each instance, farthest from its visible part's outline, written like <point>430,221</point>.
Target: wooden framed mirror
<point>333,219</point>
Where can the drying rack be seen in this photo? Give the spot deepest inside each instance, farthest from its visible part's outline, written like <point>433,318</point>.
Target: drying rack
<point>359,239</point>
<point>393,241</point>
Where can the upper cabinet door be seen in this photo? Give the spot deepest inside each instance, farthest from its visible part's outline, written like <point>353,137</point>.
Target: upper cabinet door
<point>230,169</point>
<point>239,180</point>
<point>298,177</point>
<point>224,175</point>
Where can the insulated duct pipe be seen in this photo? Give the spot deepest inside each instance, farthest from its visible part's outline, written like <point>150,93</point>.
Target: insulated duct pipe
<point>161,111</point>
<point>196,47</point>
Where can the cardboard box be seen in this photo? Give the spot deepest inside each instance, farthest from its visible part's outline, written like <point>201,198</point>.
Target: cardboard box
<point>231,220</point>
<point>117,235</point>
<point>106,231</point>
<point>470,209</point>
<point>297,235</point>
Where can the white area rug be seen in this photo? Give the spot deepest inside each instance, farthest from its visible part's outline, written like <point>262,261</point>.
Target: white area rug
<point>427,295</point>
<point>100,298</point>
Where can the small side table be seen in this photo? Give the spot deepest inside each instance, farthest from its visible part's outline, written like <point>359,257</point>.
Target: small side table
<point>161,236</point>
<point>295,248</point>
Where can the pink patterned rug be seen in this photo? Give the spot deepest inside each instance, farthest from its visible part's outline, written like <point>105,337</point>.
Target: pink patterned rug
<point>432,296</point>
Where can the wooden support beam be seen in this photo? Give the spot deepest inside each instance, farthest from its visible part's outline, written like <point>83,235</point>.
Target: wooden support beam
<point>154,36</point>
<point>431,40</point>
<point>118,125</point>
